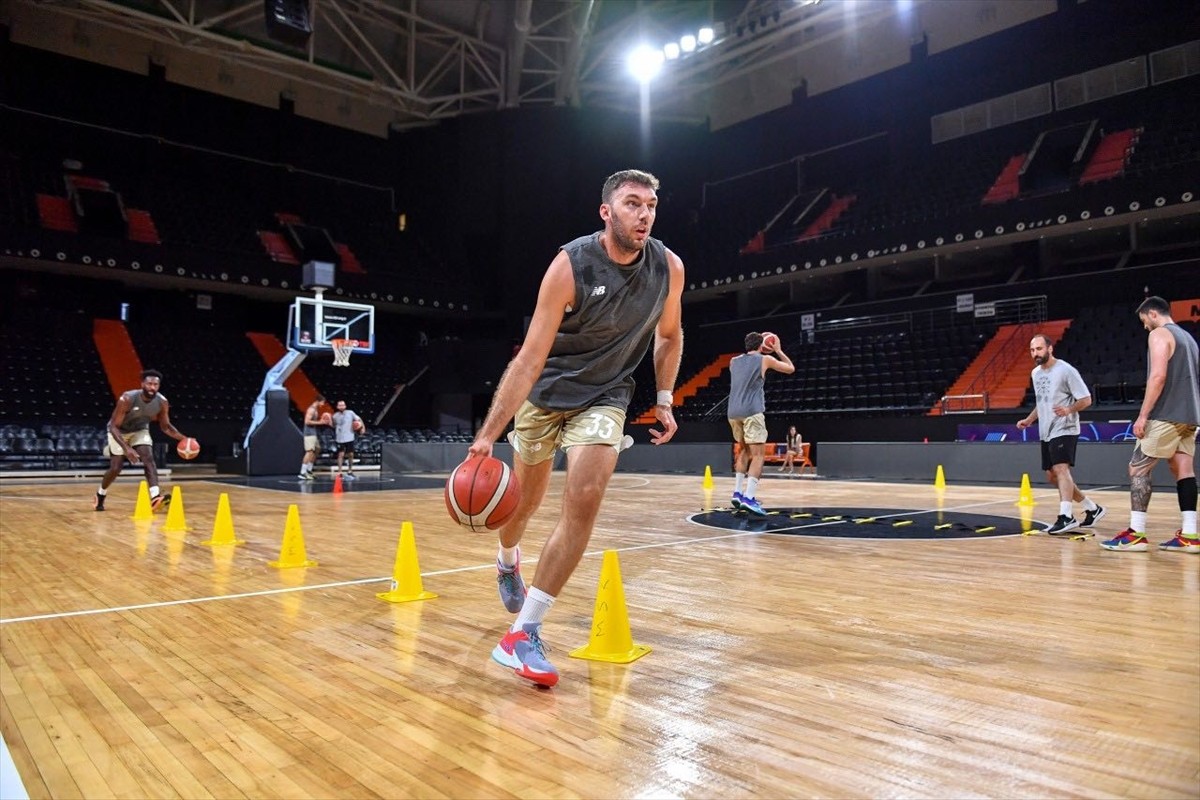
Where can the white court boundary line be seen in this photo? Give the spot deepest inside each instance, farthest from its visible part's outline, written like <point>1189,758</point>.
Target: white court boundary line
<point>359,581</point>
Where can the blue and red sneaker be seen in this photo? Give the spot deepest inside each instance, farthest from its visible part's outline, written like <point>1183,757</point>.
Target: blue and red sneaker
<point>524,652</point>
<point>1181,544</point>
<point>511,586</point>
<point>1127,540</point>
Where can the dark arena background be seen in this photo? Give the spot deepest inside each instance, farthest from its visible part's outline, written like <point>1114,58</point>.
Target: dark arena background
<point>904,191</point>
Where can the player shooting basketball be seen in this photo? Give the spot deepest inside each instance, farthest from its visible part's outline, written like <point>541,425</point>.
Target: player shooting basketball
<point>603,300</point>
<point>129,436</point>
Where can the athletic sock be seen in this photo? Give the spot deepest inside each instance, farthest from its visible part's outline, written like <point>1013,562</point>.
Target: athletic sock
<point>1189,524</point>
<point>1064,508</point>
<point>102,491</point>
<point>1089,504</point>
<point>751,487</point>
<point>1137,521</point>
<point>508,556</point>
<point>739,480</point>
<point>537,603</point>
<point>153,492</point>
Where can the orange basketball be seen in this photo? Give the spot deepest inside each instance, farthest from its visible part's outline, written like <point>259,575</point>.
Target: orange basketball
<point>769,343</point>
<point>326,418</point>
<point>357,425</point>
<point>188,448</point>
<point>482,493</point>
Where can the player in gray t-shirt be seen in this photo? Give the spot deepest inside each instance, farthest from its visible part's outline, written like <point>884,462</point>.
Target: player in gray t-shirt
<point>1060,395</point>
<point>347,426</point>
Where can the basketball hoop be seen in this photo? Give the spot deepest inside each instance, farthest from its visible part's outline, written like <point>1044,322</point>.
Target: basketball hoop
<point>342,348</point>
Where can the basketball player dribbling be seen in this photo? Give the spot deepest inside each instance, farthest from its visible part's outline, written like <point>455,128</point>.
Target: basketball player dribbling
<point>129,436</point>
<point>313,418</point>
<point>604,298</point>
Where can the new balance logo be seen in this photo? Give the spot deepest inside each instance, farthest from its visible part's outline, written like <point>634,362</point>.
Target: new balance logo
<point>599,290</point>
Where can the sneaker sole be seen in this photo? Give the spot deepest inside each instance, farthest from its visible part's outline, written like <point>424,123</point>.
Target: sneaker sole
<point>1162,547</point>
<point>1134,548</point>
<point>1064,531</point>
<point>510,660</point>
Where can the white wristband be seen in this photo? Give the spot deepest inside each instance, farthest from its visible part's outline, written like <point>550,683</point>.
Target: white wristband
<point>664,398</point>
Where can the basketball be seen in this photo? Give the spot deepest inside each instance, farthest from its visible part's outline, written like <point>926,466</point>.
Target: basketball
<point>482,493</point>
<point>357,425</point>
<point>188,448</point>
<point>770,342</point>
<point>327,418</point>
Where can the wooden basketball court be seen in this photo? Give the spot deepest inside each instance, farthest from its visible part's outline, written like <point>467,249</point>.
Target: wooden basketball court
<point>138,663</point>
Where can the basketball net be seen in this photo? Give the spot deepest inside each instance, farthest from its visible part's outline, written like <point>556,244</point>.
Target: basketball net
<point>342,348</point>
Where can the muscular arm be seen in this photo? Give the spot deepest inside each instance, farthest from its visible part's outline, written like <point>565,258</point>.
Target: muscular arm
<point>164,423</point>
<point>668,348</point>
<point>556,293</point>
<point>779,362</point>
<point>1161,345</point>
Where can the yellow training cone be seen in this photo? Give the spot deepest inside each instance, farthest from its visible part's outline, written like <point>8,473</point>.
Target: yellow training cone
<point>611,640</point>
<point>708,481</point>
<point>1026,498</point>
<point>406,574</point>
<point>939,482</point>
<point>292,553</point>
<point>176,521</point>
<point>222,532</point>
<point>142,511</point>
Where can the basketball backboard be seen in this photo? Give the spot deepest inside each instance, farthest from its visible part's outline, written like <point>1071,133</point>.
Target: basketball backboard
<point>315,321</point>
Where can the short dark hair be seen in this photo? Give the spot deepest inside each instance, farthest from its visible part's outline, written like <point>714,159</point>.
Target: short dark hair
<point>1044,338</point>
<point>619,179</point>
<point>151,373</point>
<point>754,340</point>
<point>1154,303</point>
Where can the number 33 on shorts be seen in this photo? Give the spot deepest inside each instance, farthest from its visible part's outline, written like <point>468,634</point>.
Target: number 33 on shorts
<point>596,425</point>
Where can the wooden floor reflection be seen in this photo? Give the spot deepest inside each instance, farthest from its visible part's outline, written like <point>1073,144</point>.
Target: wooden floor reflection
<point>138,663</point>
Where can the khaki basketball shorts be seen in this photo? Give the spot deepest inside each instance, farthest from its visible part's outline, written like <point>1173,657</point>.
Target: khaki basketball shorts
<point>133,439</point>
<point>750,430</point>
<point>312,444</point>
<point>539,431</point>
<point>1165,439</point>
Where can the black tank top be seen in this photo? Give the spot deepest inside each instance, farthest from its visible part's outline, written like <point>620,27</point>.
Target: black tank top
<point>608,330</point>
<point>138,417</point>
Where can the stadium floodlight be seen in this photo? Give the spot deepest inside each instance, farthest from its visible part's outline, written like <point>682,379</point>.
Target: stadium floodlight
<point>706,35</point>
<point>688,43</point>
<point>671,51</point>
<point>644,63</point>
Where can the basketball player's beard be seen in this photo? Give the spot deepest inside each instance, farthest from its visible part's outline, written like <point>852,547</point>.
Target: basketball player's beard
<point>624,241</point>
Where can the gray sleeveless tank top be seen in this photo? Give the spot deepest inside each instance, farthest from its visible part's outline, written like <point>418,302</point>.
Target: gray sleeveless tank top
<point>138,417</point>
<point>1180,398</point>
<point>608,330</point>
<point>746,396</point>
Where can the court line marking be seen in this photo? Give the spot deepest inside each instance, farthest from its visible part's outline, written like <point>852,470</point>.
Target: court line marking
<point>455,570</point>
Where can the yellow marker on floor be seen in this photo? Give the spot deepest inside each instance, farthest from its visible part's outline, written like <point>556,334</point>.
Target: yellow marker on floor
<point>986,529</point>
<point>800,516</point>
<point>902,523</point>
<point>830,519</point>
<point>863,520</point>
<point>943,526</point>
<point>1030,532</point>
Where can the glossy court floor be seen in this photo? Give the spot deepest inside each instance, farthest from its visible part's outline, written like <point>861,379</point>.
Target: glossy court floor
<point>969,661</point>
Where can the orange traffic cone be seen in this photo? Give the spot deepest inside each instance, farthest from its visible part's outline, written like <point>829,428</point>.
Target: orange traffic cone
<point>337,484</point>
